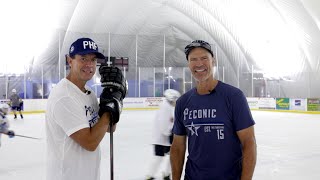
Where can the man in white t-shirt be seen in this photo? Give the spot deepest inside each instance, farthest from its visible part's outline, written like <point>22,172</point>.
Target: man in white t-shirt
<point>74,124</point>
<point>162,135</point>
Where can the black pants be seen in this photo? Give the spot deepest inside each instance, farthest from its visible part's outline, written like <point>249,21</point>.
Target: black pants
<point>160,150</point>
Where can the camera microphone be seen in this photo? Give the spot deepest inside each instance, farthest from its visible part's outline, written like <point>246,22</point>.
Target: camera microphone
<point>87,92</point>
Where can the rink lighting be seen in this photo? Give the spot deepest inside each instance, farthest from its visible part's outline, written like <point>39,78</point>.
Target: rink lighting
<point>170,77</point>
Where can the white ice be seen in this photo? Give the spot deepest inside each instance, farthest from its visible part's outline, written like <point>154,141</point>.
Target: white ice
<point>288,147</point>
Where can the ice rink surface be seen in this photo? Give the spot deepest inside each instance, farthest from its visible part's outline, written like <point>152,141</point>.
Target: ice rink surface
<point>288,147</point>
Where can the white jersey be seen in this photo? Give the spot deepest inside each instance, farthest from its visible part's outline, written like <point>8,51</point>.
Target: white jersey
<point>163,124</point>
<point>4,124</point>
<point>68,111</point>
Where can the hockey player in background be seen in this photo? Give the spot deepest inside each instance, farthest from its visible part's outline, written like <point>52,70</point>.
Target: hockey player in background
<point>4,123</point>
<point>16,103</point>
<point>162,135</point>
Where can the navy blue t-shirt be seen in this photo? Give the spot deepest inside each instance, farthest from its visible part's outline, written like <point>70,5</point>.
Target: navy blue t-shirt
<point>211,121</point>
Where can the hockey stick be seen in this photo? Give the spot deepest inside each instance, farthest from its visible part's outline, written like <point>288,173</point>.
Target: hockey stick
<point>111,151</point>
<point>111,141</point>
<point>111,136</point>
<point>29,137</point>
<point>116,85</point>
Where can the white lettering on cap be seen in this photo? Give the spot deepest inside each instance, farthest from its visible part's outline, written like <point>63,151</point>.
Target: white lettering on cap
<point>71,49</point>
<point>89,44</point>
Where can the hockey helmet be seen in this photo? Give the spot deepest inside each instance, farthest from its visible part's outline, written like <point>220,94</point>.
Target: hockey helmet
<point>14,90</point>
<point>171,94</point>
<point>4,107</point>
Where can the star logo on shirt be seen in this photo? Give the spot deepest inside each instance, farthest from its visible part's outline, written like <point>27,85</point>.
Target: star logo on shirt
<point>193,129</point>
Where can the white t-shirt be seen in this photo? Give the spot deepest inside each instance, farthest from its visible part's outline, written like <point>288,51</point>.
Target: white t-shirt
<point>163,124</point>
<point>69,110</point>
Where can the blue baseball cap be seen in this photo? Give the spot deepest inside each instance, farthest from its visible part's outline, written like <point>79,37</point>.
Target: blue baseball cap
<point>84,46</point>
<point>195,44</point>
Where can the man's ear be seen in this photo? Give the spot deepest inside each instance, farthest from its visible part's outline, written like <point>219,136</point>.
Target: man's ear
<point>69,60</point>
<point>214,61</point>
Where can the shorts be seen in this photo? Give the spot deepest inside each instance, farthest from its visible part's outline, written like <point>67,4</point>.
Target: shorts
<point>161,150</point>
<point>17,108</point>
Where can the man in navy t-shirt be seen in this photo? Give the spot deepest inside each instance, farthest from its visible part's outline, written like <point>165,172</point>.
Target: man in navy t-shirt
<point>218,123</point>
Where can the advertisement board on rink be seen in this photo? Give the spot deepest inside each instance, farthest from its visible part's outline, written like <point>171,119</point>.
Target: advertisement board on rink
<point>133,103</point>
<point>313,104</point>
<point>267,103</point>
<point>298,104</point>
<point>283,103</point>
<point>253,102</point>
<point>142,103</point>
<point>152,103</point>
<point>261,103</point>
